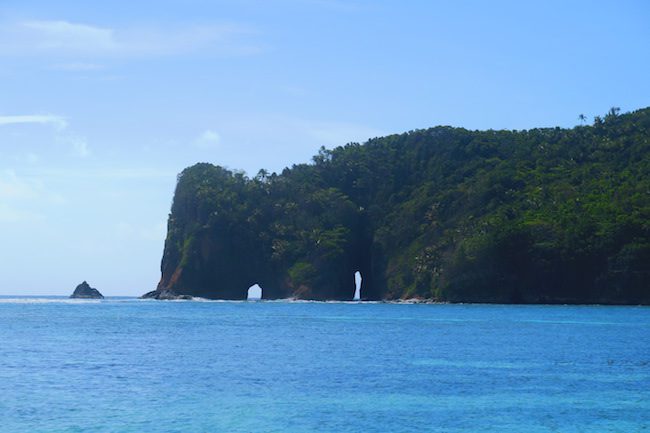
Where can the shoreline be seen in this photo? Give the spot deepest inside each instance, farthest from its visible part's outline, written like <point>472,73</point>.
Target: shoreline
<point>410,301</point>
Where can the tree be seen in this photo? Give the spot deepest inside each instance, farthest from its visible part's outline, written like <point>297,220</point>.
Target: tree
<point>543,215</point>
<point>262,176</point>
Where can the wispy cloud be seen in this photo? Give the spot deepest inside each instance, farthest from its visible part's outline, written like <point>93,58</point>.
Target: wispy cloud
<point>77,67</point>
<point>113,174</point>
<point>80,146</point>
<point>9,214</point>
<point>339,5</point>
<point>209,139</point>
<point>17,188</point>
<point>28,157</point>
<point>39,119</point>
<point>18,195</point>
<point>66,38</point>
<point>77,144</point>
<point>13,187</point>
<point>63,35</point>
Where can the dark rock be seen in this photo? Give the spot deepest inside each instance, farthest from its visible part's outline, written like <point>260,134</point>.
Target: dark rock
<point>84,291</point>
<point>165,295</point>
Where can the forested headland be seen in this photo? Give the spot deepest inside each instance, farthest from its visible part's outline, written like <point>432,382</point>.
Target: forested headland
<point>545,215</point>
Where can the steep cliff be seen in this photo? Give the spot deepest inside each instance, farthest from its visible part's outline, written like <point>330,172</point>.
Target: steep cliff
<point>543,215</point>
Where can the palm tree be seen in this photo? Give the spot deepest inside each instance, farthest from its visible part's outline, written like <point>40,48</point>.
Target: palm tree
<point>582,118</point>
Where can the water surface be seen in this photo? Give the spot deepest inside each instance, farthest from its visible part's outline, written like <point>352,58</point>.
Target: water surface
<point>126,365</point>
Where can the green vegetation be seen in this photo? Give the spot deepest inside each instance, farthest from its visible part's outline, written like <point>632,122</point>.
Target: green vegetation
<point>543,215</point>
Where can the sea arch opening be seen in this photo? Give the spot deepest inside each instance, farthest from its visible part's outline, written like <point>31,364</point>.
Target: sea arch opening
<point>358,280</point>
<point>254,293</point>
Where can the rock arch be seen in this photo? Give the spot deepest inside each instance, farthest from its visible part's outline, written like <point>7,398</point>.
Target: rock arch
<point>254,292</point>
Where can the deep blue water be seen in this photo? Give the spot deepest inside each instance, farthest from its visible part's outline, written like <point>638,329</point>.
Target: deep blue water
<point>125,365</point>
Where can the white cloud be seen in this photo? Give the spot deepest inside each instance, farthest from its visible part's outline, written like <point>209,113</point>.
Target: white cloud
<point>13,187</point>
<point>77,39</point>
<point>78,144</point>
<point>40,119</point>
<point>208,139</point>
<point>66,36</point>
<point>81,147</point>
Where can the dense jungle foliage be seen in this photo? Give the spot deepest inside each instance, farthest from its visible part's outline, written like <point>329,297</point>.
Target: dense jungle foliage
<point>541,215</point>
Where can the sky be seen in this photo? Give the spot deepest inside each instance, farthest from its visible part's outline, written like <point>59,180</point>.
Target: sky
<point>103,104</point>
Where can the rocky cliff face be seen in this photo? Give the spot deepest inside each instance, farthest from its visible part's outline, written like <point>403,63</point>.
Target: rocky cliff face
<point>219,247</point>
<point>546,215</point>
<point>84,291</point>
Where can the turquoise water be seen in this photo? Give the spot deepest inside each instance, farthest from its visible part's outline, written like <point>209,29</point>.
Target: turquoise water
<point>126,365</point>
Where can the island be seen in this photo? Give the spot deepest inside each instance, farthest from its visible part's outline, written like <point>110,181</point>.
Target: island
<point>545,215</point>
<point>84,291</point>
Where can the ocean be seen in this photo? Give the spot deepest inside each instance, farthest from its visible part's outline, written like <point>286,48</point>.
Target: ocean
<point>130,365</point>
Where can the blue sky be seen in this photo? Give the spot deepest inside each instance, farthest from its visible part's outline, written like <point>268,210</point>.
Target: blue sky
<point>101,105</point>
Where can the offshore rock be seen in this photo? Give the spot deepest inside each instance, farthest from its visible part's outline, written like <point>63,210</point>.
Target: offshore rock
<point>165,295</point>
<point>84,291</point>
